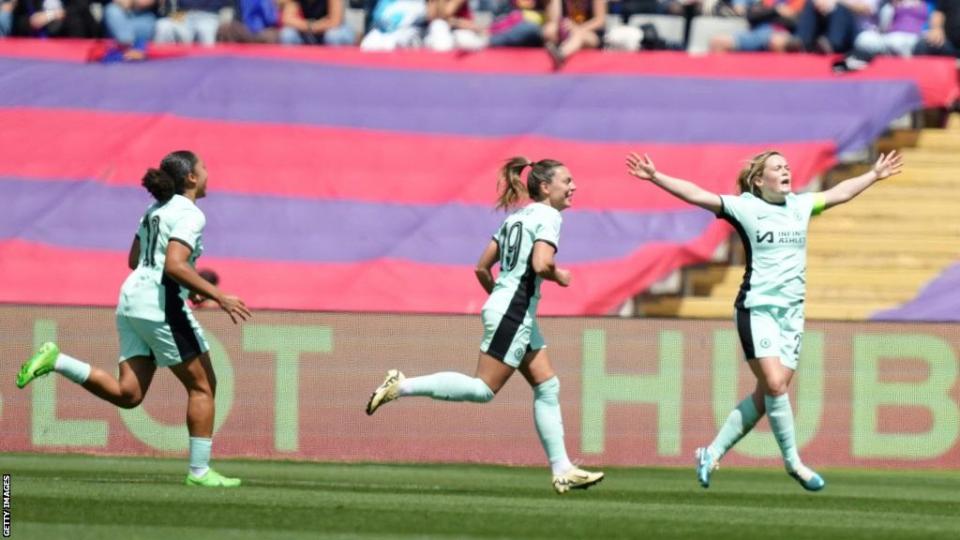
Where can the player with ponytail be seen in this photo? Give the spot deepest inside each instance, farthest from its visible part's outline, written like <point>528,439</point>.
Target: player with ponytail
<point>525,246</point>
<point>155,326</point>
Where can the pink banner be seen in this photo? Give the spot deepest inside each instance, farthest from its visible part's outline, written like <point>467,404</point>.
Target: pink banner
<point>633,392</point>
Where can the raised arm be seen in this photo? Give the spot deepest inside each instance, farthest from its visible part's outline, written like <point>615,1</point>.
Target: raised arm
<point>885,167</point>
<point>177,266</point>
<point>644,169</point>
<point>484,270</point>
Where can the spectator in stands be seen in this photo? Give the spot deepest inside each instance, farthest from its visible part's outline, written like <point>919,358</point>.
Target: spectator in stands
<point>831,26</point>
<point>450,25</point>
<point>315,22</point>
<point>54,18</point>
<point>688,9</point>
<point>771,24</point>
<point>521,25</point>
<point>395,24</point>
<point>628,8</point>
<point>525,247</point>
<point>189,21</point>
<point>729,8</point>
<point>131,22</point>
<point>574,25</point>
<point>772,222</point>
<point>901,23</point>
<point>6,17</point>
<point>943,36</point>
<point>255,21</point>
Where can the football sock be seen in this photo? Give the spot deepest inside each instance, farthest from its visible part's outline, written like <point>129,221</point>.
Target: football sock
<point>740,421</point>
<point>71,368</point>
<point>448,386</point>
<point>549,421</point>
<point>780,414</point>
<point>200,455</point>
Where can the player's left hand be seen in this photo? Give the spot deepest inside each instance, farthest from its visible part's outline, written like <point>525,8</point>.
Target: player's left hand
<point>888,165</point>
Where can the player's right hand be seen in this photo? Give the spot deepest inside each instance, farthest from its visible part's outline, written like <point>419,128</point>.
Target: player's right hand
<point>563,277</point>
<point>235,308</point>
<point>643,168</point>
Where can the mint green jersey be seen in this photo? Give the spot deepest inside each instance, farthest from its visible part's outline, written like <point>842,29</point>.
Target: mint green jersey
<point>148,293</point>
<point>775,243</point>
<point>517,289</point>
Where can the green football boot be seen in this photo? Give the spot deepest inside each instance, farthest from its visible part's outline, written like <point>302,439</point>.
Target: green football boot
<point>39,364</point>
<point>212,478</point>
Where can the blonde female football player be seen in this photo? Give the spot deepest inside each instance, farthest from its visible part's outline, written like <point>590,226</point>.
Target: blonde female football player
<point>525,246</point>
<point>155,327</point>
<point>772,223</point>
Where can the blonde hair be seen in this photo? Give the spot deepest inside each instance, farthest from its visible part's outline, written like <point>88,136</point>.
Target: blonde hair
<point>752,169</point>
<point>510,187</point>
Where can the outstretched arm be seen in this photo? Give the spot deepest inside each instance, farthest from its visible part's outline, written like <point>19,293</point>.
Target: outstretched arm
<point>644,169</point>
<point>885,167</point>
<point>178,267</point>
<point>484,270</point>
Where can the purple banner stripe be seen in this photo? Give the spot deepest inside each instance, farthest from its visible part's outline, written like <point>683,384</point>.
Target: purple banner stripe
<point>577,107</point>
<point>96,216</point>
<point>938,301</point>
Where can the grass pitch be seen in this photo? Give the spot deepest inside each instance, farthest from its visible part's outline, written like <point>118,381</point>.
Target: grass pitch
<point>81,497</point>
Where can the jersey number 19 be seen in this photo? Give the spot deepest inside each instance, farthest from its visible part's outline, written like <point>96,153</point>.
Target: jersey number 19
<point>510,246</point>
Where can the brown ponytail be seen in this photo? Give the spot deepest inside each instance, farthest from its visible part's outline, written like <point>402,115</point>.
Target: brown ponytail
<point>510,186</point>
<point>171,178</point>
<point>160,184</point>
<point>751,170</point>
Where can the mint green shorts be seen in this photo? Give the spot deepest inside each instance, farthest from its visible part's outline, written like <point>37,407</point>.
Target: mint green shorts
<point>767,331</point>
<point>507,339</point>
<point>167,342</point>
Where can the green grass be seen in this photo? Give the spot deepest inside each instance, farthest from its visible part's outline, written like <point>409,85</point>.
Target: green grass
<point>80,497</point>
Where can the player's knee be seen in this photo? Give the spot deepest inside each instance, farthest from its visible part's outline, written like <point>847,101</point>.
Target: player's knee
<point>130,400</point>
<point>548,390</point>
<point>776,386</point>
<point>202,388</point>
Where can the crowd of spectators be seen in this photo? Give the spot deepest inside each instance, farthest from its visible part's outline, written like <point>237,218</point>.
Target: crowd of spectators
<point>859,28</point>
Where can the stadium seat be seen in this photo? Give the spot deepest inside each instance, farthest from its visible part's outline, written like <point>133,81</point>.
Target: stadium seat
<point>704,28</point>
<point>612,21</point>
<point>354,18</point>
<point>669,27</point>
<point>483,18</point>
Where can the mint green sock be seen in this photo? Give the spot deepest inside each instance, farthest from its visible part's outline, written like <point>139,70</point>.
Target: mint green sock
<point>740,421</point>
<point>200,455</point>
<point>448,386</point>
<point>71,368</point>
<point>549,421</point>
<point>780,414</point>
